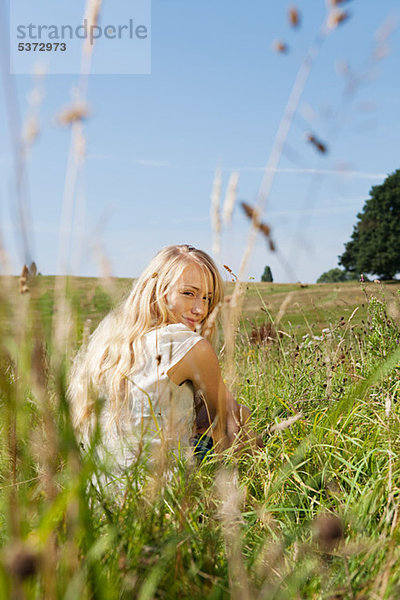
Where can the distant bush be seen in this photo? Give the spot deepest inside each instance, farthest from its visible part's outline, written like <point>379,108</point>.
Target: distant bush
<point>336,275</point>
<point>267,275</point>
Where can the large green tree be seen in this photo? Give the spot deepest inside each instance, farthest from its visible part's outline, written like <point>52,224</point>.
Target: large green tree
<point>374,246</point>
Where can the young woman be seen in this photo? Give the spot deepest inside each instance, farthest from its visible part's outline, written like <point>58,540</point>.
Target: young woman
<point>149,375</point>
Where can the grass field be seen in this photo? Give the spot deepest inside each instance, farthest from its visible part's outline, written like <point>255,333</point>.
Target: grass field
<point>301,307</point>
<point>313,515</point>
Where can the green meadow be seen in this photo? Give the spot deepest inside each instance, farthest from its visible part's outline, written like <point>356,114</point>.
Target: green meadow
<point>301,307</point>
<point>313,515</point>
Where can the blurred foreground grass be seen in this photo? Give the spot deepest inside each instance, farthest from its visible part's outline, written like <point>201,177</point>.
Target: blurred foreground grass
<point>313,515</point>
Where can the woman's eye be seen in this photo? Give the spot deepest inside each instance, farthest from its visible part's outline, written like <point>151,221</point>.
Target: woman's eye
<point>188,293</point>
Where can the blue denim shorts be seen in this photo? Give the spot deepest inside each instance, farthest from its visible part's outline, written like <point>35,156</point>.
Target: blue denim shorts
<point>203,445</point>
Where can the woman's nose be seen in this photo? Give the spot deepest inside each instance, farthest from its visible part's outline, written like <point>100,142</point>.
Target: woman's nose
<point>198,306</point>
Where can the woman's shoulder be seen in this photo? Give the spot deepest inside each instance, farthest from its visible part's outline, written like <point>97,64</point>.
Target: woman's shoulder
<point>173,341</point>
<point>178,331</point>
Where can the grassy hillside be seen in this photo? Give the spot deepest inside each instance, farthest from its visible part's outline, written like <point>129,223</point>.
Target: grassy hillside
<point>301,308</point>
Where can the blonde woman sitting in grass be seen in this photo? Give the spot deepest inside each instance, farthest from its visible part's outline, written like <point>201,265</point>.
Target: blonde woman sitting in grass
<point>149,375</point>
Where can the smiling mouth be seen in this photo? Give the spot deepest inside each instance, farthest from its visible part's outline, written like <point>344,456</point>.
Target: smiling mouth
<point>192,321</point>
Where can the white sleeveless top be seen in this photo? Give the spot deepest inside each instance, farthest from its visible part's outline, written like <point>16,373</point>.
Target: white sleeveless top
<point>161,413</point>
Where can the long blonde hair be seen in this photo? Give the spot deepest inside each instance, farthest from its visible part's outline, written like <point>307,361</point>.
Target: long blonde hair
<point>101,367</point>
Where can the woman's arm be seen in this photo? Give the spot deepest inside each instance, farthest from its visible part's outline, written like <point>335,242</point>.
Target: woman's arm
<point>200,366</point>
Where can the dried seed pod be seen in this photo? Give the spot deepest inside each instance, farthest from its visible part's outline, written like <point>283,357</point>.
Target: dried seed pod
<point>248,210</point>
<point>265,229</point>
<point>337,17</point>
<point>20,560</point>
<point>251,213</point>
<point>317,143</point>
<point>70,115</point>
<point>328,531</point>
<point>234,277</point>
<point>294,16</point>
<point>281,47</point>
<point>264,334</point>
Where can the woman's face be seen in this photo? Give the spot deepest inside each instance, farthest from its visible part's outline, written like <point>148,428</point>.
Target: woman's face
<point>190,297</point>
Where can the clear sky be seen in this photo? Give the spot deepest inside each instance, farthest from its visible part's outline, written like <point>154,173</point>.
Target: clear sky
<point>214,98</point>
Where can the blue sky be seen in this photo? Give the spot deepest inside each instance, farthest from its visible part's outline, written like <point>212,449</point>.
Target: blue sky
<point>214,98</point>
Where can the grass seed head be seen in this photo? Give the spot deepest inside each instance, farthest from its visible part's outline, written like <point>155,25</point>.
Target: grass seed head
<point>249,211</point>
<point>265,229</point>
<point>231,273</point>
<point>92,14</point>
<point>39,368</point>
<point>328,531</point>
<point>71,114</point>
<point>337,17</point>
<point>294,16</point>
<point>23,288</point>
<point>230,197</point>
<point>31,130</point>
<point>318,145</point>
<point>254,215</point>
<point>281,47</point>
<point>215,211</point>
<point>20,560</point>
<point>264,334</point>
